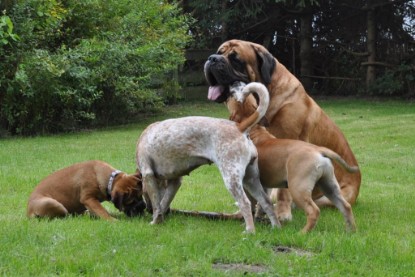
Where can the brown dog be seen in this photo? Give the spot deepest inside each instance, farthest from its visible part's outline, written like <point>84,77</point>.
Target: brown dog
<point>291,114</point>
<point>295,164</point>
<point>85,185</point>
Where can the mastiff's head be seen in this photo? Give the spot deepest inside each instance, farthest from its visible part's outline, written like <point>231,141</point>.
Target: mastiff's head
<point>127,194</point>
<point>237,60</point>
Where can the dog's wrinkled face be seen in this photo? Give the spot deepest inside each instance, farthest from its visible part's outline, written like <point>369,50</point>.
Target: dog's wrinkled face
<point>237,60</point>
<point>127,194</point>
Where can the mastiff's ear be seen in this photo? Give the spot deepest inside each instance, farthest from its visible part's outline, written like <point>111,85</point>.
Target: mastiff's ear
<point>266,64</point>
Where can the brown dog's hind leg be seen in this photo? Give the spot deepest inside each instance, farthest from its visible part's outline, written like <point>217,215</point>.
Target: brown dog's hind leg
<point>46,207</point>
<point>283,203</point>
<point>310,208</point>
<point>346,209</point>
<point>300,188</point>
<point>349,190</point>
<point>331,190</point>
<point>313,213</point>
<point>348,193</point>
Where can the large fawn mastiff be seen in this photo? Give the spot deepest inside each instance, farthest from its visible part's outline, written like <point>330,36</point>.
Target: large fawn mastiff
<point>291,114</point>
<point>297,165</point>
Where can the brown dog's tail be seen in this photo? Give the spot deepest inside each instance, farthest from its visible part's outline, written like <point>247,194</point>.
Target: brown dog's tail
<point>339,160</point>
<point>240,93</point>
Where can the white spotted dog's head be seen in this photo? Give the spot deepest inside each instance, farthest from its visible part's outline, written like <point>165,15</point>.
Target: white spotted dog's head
<point>236,91</point>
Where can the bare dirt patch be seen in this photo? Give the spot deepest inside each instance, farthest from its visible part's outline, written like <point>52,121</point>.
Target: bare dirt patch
<point>280,249</point>
<point>258,268</point>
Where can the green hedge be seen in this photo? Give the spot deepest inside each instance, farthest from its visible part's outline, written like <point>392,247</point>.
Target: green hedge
<point>74,64</point>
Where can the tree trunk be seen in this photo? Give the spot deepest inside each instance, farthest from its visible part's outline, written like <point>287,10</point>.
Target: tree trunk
<point>306,47</point>
<point>371,47</point>
<point>224,32</point>
<point>6,5</point>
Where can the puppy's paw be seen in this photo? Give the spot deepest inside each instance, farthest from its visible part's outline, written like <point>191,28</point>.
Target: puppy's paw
<point>249,231</point>
<point>283,211</point>
<point>287,216</point>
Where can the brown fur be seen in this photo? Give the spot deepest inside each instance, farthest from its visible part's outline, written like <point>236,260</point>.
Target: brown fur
<point>298,165</point>
<point>82,186</point>
<point>292,113</point>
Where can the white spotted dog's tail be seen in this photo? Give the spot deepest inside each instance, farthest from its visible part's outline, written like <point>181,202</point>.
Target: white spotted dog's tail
<point>240,92</point>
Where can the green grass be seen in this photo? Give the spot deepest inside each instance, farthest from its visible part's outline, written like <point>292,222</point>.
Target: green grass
<point>380,133</point>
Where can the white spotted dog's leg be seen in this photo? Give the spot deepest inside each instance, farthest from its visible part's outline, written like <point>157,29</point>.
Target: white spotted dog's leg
<point>171,190</point>
<point>233,183</point>
<point>153,190</point>
<point>253,185</point>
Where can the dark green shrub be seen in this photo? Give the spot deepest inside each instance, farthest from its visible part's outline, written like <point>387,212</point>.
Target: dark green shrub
<point>399,81</point>
<point>84,63</point>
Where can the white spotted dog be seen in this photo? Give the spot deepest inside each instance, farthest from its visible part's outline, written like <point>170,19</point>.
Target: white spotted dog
<point>169,149</point>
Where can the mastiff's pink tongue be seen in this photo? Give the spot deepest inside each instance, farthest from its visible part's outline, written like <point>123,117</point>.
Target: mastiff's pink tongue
<point>215,92</point>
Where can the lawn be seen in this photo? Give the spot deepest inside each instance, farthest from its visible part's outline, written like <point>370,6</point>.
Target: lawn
<point>381,134</point>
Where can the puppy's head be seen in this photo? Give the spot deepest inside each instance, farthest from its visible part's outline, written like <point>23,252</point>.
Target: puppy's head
<point>127,194</point>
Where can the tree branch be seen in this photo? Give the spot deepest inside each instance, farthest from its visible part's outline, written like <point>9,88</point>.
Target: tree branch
<point>377,64</point>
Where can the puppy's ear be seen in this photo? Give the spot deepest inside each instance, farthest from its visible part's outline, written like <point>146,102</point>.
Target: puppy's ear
<point>138,174</point>
<point>139,177</point>
<point>117,199</point>
<point>266,64</point>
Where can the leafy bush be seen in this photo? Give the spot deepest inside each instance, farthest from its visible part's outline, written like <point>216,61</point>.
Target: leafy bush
<point>83,63</point>
<point>6,30</point>
<point>399,81</point>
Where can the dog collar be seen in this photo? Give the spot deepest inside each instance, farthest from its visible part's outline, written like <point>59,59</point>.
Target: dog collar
<point>112,177</point>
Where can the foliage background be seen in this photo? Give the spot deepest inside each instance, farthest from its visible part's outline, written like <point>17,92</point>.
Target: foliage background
<point>80,63</point>
<point>323,42</point>
<point>69,65</point>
